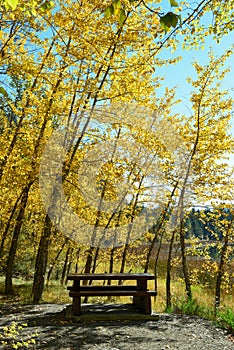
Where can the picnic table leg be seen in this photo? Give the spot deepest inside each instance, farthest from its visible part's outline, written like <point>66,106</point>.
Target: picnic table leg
<point>76,306</point>
<point>147,305</point>
<point>143,303</point>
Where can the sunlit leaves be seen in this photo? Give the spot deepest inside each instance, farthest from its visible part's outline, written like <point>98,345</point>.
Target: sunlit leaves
<point>30,7</point>
<point>11,3</point>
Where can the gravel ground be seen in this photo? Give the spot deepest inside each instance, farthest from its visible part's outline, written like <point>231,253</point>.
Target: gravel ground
<point>165,332</point>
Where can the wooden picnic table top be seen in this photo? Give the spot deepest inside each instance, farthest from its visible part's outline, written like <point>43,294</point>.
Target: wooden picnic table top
<point>110,276</point>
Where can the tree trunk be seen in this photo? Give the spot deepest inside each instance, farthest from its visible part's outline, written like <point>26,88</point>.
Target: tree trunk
<point>184,262</point>
<point>162,220</point>
<point>126,246</point>
<point>111,267</point>
<point>220,272</point>
<point>89,260</point>
<point>4,236</point>
<point>65,265</point>
<point>70,260</point>
<point>41,262</point>
<point>156,266</point>
<point>14,242</point>
<point>68,270</point>
<point>77,260</point>
<point>55,261</point>
<point>95,259</point>
<point>168,278</point>
<point>124,256</point>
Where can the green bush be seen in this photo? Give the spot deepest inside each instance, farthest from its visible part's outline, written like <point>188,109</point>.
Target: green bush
<point>225,319</point>
<point>188,307</point>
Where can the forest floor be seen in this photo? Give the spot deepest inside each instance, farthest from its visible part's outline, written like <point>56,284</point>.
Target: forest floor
<point>48,325</point>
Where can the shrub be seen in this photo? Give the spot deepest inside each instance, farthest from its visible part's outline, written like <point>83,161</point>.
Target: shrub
<point>188,307</point>
<point>226,319</point>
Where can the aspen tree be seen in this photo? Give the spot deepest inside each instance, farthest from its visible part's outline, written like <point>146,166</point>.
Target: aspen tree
<point>212,108</point>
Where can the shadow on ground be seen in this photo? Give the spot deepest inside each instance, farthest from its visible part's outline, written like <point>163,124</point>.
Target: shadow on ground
<point>53,330</point>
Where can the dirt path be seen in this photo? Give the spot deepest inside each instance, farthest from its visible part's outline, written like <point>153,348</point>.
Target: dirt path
<point>167,332</point>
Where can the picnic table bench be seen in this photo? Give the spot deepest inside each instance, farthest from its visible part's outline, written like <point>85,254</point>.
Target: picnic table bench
<point>138,290</point>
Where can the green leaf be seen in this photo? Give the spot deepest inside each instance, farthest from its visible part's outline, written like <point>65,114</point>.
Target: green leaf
<point>180,19</point>
<point>163,25</point>
<point>112,9</point>
<point>43,8</point>
<point>174,3</point>
<point>109,10</point>
<point>3,92</point>
<point>122,17</point>
<point>174,21</point>
<point>116,4</point>
<point>169,20</point>
<point>47,5</point>
<point>12,3</point>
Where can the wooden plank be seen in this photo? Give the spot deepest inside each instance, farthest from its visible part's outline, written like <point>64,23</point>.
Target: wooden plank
<point>110,276</point>
<point>107,288</point>
<point>90,293</point>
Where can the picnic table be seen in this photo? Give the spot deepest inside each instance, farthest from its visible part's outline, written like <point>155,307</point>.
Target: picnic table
<point>138,289</point>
